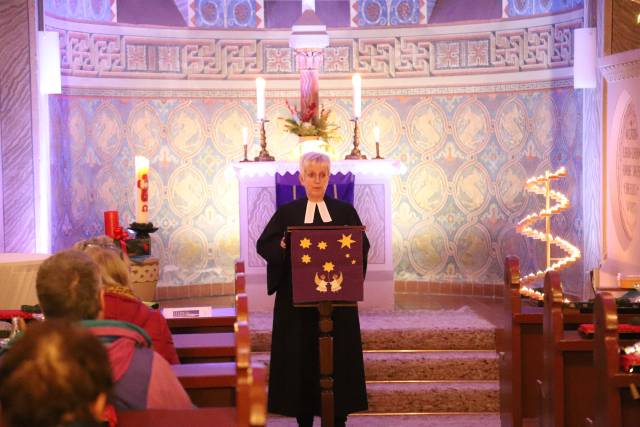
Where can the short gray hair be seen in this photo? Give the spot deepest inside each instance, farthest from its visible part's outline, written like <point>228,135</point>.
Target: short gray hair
<point>311,157</point>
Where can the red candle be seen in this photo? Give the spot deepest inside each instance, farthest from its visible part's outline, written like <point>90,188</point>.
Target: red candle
<point>110,223</point>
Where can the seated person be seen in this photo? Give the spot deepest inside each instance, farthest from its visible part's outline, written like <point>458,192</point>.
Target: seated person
<point>120,303</point>
<point>68,287</point>
<point>56,374</point>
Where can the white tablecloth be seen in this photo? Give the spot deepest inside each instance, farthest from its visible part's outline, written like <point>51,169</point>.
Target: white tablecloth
<point>18,279</point>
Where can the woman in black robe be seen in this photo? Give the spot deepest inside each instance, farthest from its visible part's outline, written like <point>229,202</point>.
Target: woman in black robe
<point>294,388</point>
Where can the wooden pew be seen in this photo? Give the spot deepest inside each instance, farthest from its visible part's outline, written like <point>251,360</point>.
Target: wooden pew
<point>614,405</point>
<point>520,351</point>
<point>243,403</point>
<point>212,346</point>
<point>569,380</point>
<point>213,384</point>
<point>197,417</point>
<point>205,347</point>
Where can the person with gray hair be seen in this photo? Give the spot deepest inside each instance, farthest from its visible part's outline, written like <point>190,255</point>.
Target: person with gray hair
<point>68,285</point>
<point>294,378</point>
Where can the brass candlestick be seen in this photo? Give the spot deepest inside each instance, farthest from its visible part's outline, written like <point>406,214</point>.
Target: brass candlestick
<point>264,155</point>
<point>377,157</point>
<point>244,146</point>
<point>355,152</point>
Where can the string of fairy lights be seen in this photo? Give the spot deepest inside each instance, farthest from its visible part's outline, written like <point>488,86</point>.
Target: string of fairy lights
<point>555,203</point>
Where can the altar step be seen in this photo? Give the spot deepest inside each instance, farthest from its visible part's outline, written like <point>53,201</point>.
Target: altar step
<point>428,381</point>
<point>404,420</point>
<point>431,365</point>
<point>414,330</point>
<point>423,367</point>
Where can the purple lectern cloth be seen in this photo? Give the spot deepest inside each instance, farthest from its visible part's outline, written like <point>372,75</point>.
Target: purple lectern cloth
<point>326,264</point>
<point>288,188</point>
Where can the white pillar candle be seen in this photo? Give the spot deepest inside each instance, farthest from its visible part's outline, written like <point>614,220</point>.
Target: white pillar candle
<point>376,134</point>
<point>308,5</point>
<point>245,136</point>
<point>357,95</point>
<point>260,86</point>
<point>142,189</point>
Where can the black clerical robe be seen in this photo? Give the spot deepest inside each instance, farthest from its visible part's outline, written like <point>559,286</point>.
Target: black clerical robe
<point>294,387</point>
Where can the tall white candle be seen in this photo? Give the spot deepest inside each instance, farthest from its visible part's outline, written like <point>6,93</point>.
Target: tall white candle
<point>357,95</point>
<point>376,134</point>
<point>260,86</point>
<point>142,189</point>
<point>245,136</point>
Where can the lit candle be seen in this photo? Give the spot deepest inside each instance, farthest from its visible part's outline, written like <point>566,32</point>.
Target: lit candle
<point>142,189</point>
<point>245,136</point>
<point>376,134</point>
<point>260,85</point>
<point>357,95</point>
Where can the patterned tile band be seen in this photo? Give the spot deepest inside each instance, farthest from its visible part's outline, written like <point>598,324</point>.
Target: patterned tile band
<point>122,52</point>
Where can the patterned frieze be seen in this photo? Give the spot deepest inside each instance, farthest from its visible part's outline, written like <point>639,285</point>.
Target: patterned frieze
<point>331,93</point>
<point>114,52</point>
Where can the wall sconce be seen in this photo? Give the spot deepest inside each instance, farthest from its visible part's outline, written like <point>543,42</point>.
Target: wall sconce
<point>584,58</point>
<point>49,80</point>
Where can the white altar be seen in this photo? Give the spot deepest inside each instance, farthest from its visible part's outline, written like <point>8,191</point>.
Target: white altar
<point>372,199</point>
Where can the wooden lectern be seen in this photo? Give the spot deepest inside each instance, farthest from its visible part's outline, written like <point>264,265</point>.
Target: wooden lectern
<point>326,270</point>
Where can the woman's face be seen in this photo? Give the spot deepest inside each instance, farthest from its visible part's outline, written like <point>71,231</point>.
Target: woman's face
<point>315,178</point>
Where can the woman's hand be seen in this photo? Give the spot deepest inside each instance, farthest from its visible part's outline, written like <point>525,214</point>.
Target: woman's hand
<point>283,244</point>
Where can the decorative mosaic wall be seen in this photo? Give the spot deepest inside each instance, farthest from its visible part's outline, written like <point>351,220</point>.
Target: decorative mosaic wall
<point>365,13</point>
<point>479,51</point>
<point>453,211</point>
<point>85,10</point>
<point>538,7</point>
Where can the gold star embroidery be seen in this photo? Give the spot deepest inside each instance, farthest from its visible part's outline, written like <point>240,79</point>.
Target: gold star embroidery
<point>322,246</point>
<point>346,241</point>
<point>305,243</point>
<point>328,266</point>
<point>353,261</point>
<point>306,259</point>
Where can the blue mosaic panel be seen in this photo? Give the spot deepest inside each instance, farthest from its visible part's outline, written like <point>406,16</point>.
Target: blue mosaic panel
<point>87,10</point>
<point>372,12</point>
<point>241,14</point>
<point>209,13</point>
<point>404,12</point>
<point>537,7</point>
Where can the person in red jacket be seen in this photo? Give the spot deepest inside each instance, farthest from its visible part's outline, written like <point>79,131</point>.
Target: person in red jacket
<point>120,303</point>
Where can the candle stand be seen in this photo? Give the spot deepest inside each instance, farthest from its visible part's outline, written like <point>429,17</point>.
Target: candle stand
<point>264,155</point>
<point>377,157</point>
<point>355,152</point>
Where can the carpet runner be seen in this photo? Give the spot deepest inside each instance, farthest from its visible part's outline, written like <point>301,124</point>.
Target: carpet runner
<point>423,367</point>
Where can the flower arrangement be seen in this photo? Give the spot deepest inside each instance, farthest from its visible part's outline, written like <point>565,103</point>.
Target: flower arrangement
<point>308,124</point>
